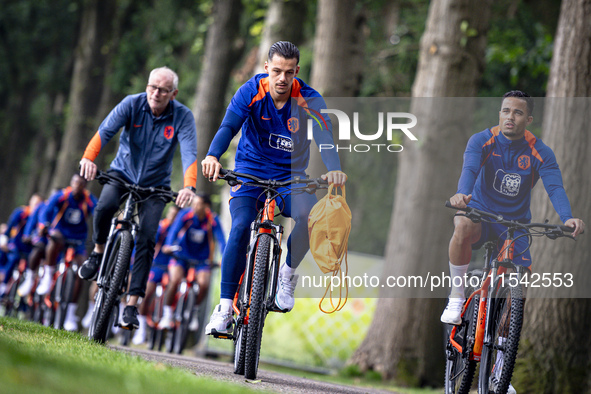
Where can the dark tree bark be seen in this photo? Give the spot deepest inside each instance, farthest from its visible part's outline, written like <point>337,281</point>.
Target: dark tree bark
<point>280,26</point>
<point>88,83</point>
<point>221,50</point>
<point>337,70</point>
<point>556,345</point>
<point>404,340</point>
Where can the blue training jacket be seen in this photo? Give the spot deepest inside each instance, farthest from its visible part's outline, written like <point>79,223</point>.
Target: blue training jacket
<point>500,174</point>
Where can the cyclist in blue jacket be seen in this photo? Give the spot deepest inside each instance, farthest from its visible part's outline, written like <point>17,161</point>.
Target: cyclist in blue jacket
<point>272,110</point>
<point>501,166</point>
<point>153,124</point>
<point>192,233</point>
<point>16,245</point>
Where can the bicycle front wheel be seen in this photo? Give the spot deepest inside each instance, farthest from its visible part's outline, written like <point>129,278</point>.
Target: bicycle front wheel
<point>498,357</point>
<point>121,254</point>
<point>258,312</point>
<point>64,291</point>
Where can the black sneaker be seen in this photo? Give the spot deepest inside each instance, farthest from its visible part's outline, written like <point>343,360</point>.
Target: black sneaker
<point>129,319</point>
<point>89,269</point>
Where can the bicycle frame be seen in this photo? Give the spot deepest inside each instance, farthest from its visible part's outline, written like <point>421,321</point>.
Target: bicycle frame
<point>265,226</point>
<point>127,223</point>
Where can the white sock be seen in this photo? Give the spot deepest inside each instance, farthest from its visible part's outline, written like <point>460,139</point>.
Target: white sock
<point>457,271</point>
<point>90,307</point>
<point>72,308</point>
<point>287,271</point>
<point>167,311</point>
<point>226,304</point>
<point>142,320</point>
<point>29,273</point>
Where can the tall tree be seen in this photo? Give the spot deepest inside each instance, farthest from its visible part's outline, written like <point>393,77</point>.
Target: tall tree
<point>556,345</point>
<point>404,340</point>
<point>88,83</point>
<point>280,26</point>
<point>220,52</point>
<point>338,57</point>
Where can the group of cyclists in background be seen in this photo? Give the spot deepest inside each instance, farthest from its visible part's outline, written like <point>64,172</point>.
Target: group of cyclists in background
<point>38,235</point>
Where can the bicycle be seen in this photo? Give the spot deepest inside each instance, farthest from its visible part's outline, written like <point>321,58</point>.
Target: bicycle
<point>155,335</point>
<point>114,270</point>
<point>64,284</point>
<point>492,316</point>
<point>255,297</point>
<point>186,309</point>
<point>11,303</point>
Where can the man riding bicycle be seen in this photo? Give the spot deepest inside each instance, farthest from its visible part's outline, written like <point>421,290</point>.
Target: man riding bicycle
<point>64,220</point>
<point>15,246</point>
<point>501,166</point>
<point>269,108</point>
<point>192,232</point>
<point>153,125</point>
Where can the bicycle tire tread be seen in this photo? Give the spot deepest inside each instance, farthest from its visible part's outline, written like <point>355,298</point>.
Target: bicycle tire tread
<point>256,317</point>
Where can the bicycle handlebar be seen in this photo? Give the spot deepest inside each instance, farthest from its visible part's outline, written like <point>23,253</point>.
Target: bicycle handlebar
<point>477,215</point>
<point>105,178</point>
<point>232,178</point>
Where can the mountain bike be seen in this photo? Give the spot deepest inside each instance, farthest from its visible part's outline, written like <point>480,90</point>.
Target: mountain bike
<point>64,283</point>
<point>114,270</point>
<point>255,297</point>
<point>186,309</point>
<point>155,334</point>
<point>11,303</point>
<point>492,316</point>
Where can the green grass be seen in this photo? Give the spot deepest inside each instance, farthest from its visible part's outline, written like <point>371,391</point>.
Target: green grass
<point>36,359</point>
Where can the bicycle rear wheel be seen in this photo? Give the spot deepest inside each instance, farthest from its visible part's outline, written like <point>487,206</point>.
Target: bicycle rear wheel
<point>184,315</point>
<point>64,290</point>
<point>119,259</point>
<point>460,368</point>
<point>498,357</point>
<point>258,312</point>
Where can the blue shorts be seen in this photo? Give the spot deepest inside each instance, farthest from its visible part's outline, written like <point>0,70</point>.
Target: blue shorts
<point>199,266</point>
<point>156,273</point>
<point>492,231</point>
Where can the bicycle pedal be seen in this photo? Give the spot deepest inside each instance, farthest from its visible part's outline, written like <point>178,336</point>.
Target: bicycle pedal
<point>219,335</point>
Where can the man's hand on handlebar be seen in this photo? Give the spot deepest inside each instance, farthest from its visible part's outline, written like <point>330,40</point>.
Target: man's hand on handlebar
<point>88,169</point>
<point>335,177</point>
<point>210,166</point>
<point>185,198</point>
<point>460,200</point>
<point>577,224</point>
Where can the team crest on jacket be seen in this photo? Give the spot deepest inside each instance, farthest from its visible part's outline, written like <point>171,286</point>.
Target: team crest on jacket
<point>168,132</point>
<point>523,162</point>
<point>293,124</point>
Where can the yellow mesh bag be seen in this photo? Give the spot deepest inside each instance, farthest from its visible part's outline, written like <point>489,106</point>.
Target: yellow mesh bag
<point>329,225</point>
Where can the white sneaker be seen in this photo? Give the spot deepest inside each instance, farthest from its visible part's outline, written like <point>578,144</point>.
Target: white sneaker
<point>194,323</point>
<point>221,321</point>
<point>71,322</point>
<point>511,389</point>
<point>453,311</point>
<point>285,290</point>
<point>166,323</point>
<point>46,280</point>
<point>139,336</point>
<point>2,288</point>
<point>25,288</point>
<point>87,319</point>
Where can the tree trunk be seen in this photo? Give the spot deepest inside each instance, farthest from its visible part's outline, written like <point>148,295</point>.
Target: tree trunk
<point>337,70</point>
<point>220,53</point>
<point>88,81</point>
<point>404,340</point>
<point>279,26</point>
<point>548,365</point>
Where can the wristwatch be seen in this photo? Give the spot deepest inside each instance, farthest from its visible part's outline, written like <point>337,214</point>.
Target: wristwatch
<point>191,188</point>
